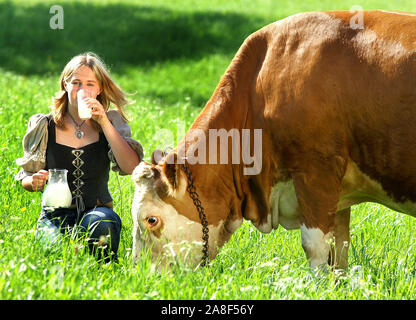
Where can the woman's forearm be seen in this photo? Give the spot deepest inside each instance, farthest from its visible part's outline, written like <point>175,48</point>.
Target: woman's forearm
<point>126,157</point>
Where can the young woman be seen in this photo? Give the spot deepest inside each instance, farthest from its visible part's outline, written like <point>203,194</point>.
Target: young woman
<point>86,148</point>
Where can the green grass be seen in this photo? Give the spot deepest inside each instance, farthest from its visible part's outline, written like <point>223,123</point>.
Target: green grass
<point>170,56</point>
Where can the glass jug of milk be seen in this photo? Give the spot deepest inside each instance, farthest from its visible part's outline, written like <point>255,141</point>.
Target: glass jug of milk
<point>57,193</point>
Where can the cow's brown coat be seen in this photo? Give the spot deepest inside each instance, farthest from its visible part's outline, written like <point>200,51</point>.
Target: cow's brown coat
<point>325,96</point>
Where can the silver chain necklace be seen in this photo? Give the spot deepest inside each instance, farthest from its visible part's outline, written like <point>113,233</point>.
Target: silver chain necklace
<point>78,133</point>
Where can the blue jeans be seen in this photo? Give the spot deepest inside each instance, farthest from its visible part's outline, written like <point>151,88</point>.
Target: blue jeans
<point>101,226</point>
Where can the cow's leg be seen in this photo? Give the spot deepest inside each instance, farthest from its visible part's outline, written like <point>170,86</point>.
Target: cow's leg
<point>316,244</point>
<point>318,189</point>
<point>339,253</point>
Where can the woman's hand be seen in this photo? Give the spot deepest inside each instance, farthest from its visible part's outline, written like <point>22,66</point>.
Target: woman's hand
<point>37,181</point>
<point>97,110</point>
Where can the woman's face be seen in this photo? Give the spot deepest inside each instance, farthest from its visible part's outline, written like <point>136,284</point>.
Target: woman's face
<point>82,79</point>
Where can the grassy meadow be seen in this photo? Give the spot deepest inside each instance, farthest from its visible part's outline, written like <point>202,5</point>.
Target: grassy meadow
<point>169,55</point>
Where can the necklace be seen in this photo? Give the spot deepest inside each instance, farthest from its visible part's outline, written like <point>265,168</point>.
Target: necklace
<point>78,133</point>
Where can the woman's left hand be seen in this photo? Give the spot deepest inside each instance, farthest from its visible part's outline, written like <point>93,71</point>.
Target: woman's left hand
<point>97,110</point>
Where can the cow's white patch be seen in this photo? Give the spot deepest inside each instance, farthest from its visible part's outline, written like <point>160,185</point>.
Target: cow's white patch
<point>183,237</point>
<point>316,245</point>
<point>180,237</point>
<point>357,187</point>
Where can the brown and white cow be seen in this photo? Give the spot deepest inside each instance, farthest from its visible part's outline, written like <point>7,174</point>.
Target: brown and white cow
<point>337,109</point>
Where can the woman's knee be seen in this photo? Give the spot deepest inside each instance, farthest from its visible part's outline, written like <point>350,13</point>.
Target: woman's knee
<point>102,227</point>
<point>101,221</point>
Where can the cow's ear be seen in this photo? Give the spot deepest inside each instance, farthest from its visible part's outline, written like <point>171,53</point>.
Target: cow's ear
<point>173,174</point>
<point>157,156</point>
<point>171,169</point>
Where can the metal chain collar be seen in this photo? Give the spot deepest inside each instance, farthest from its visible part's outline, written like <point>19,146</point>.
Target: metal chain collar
<point>195,198</point>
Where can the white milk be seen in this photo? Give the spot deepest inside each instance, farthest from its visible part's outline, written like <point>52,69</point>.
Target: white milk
<point>83,111</point>
<point>57,195</point>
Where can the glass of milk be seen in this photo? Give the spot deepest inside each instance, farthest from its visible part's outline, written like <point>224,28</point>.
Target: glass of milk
<point>57,193</point>
<point>83,111</point>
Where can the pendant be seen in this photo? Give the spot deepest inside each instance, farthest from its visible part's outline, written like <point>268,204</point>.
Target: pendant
<point>79,133</point>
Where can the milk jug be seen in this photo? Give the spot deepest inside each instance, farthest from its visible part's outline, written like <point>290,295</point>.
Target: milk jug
<point>56,193</point>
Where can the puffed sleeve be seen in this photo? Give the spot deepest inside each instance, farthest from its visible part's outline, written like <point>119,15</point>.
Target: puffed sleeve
<point>124,130</point>
<point>34,144</point>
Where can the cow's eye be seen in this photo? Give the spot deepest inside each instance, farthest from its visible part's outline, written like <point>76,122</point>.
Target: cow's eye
<point>152,221</point>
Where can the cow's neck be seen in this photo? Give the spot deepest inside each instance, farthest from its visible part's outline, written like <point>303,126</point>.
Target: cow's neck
<point>227,194</point>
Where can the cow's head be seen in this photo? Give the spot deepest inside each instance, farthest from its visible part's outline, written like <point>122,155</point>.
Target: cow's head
<point>165,218</point>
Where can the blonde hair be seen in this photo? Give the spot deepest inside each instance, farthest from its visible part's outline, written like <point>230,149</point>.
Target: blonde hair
<point>110,91</point>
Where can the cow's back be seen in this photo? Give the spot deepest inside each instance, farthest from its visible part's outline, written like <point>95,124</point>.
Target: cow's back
<point>336,90</point>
